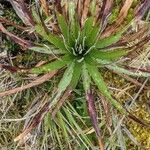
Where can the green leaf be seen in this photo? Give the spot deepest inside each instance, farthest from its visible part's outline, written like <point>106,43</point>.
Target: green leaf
<point>86,78</point>
<point>63,26</point>
<point>35,15</point>
<point>108,55</point>
<point>74,32</point>
<point>55,65</point>
<point>102,43</point>
<point>137,73</point>
<point>98,79</point>
<point>64,127</point>
<point>71,12</point>
<point>91,38</point>
<point>88,26</point>
<point>53,39</point>
<point>90,100</point>
<point>66,77</point>
<point>76,75</point>
<point>64,83</point>
<point>45,49</point>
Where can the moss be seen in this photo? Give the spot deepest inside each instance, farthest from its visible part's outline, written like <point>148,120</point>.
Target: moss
<point>141,133</point>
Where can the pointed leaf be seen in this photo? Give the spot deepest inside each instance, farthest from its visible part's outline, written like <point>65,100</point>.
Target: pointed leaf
<point>22,11</point>
<point>102,43</point>
<point>85,11</point>
<point>64,83</point>
<point>91,38</point>
<point>45,49</point>
<point>55,65</point>
<point>105,42</point>
<point>63,26</point>
<point>53,39</point>
<point>142,9</point>
<point>90,103</point>
<point>98,79</point>
<point>105,12</point>
<point>86,78</point>
<point>118,69</point>
<point>108,55</point>
<point>93,116</point>
<point>76,75</point>
<point>88,26</point>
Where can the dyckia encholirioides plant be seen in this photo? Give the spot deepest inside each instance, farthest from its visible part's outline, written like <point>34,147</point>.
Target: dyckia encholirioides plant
<point>81,43</point>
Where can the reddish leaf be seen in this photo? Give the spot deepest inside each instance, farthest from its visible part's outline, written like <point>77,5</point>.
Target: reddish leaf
<point>142,9</point>
<point>8,22</point>
<point>57,4</point>
<point>10,68</point>
<point>20,41</point>
<point>22,11</point>
<point>105,12</point>
<point>86,5</point>
<point>79,9</point>
<point>36,82</point>
<point>93,116</point>
<point>122,15</point>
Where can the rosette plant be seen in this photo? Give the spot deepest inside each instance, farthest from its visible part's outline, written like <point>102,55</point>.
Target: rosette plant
<point>82,42</point>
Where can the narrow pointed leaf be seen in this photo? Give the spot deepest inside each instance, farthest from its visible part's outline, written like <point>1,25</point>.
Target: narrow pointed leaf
<point>86,78</point>
<point>45,49</point>
<point>70,88</point>
<point>105,12</point>
<point>86,5</point>
<point>108,55</point>
<point>91,38</point>
<point>22,11</point>
<point>102,43</point>
<point>88,26</point>
<point>55,65</point>
<point>22,42</point>
<point>76,75</point>
<point>63,26</point>
<point>53,39</point>
<point>118,69</point>
<point>93,116</point>
<point>90,103</point>
<point>120,19</point>
<point>64,83</point>
<point>142,9</point>
<point>98,79</point>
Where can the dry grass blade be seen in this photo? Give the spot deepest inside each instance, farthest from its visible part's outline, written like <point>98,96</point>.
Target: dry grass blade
<point>36,120</point>
<point>105,12</point>
<point>85,10</point>
<point>122,15</point>
<point>20,41</point>
<point>61,102</point>
<point>36,82</point>
<point>57,4</point>
<point>22,11</point>
<point>79,9</point>
<point>8,22</point>
<point>45,7</point>
<point>10,68</point>
<point>141,10</point>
